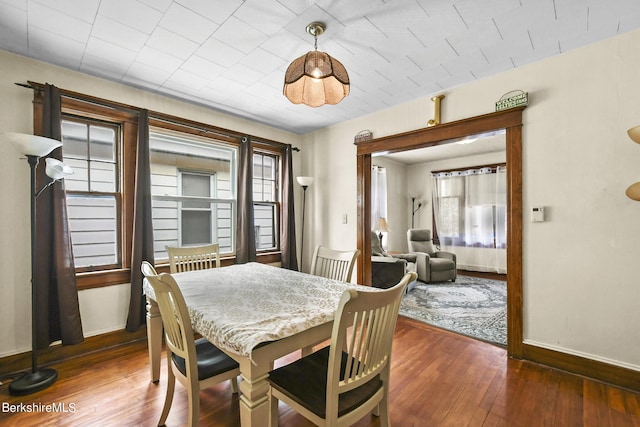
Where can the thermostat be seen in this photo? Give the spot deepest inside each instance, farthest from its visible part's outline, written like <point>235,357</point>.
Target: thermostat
<point>537,214</point>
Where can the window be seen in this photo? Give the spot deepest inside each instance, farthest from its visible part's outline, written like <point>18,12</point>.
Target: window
<point>470,207</point>
<point>197,221</point>
<point>265,200</point>
<point>449,217</point>
<point>193,177</point>
<point>93,197</point>
<point>193,191</point>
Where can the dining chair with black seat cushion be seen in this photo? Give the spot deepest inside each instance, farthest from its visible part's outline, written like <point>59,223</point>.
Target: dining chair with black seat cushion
<point>197,364</point>
<point>333,264</point>
<point>189,258</point>
<point>340,384</point>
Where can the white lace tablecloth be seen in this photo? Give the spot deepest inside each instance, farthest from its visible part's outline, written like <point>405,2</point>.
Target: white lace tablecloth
<point>240,306</point>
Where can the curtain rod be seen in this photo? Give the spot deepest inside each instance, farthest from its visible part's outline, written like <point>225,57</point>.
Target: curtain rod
<point>214,130</point>
<point>461,169</point>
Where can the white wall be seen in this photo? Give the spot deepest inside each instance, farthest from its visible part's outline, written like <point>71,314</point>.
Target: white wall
<point>581,285</point>
<point>104,309</point>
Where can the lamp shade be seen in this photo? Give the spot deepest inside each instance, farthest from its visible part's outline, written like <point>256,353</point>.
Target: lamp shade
<point>634,134</point>
<point>633,192</point>
<point>305,181</point>
<point>56,170</point>
<point>316,79</point>
<point>382,225</point>
<point>31,145</point>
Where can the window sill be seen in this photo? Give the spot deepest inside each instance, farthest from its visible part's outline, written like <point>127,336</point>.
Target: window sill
<point>99,279</point>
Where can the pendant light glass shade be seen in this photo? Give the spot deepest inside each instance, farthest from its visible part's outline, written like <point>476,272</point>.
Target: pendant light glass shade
<point>316,78</point>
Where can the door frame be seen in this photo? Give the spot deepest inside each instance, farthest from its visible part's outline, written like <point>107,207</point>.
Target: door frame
<point>508,120</point>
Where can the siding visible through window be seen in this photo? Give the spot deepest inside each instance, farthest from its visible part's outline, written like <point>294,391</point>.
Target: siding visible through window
<point>193,192</point>
<point>93,197</point>
<point>265,203</point>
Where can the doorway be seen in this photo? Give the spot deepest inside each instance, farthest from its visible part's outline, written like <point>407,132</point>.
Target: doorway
<point>511,122</point>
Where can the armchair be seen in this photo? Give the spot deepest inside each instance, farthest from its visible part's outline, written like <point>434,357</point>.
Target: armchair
<point>432,265</point>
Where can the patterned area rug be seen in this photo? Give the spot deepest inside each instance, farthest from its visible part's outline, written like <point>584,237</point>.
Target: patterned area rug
<point>470,306</point>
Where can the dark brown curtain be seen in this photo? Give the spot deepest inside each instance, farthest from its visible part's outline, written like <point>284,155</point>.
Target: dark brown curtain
<point>288,224</point>
<point>245,228</point>
<point>142,240</point>
<point>56,291</point>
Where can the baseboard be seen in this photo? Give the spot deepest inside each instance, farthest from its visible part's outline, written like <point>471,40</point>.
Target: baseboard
<point>600,371</point>
<point>58,353</point>
<point>483,274</point>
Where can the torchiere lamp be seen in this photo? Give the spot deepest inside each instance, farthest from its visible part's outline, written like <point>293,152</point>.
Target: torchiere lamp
<point>304,181</point>
<point>414,210</point>
<point>35,147</point>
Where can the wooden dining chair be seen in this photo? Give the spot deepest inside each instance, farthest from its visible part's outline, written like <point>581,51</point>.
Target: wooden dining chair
<point>148,269</point>
<point>332,264</point>
<point>340,384</point>
<point>197,364</point>
<point>188,258</point>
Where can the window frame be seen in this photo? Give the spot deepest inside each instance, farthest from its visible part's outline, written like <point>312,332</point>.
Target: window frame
<point>461,212</point>
<point>212,195</point>
<point>88,107</point>
<point>276,204</point>
<point>117,194</point>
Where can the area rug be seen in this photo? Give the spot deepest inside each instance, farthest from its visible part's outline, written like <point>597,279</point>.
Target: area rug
<point>471,306</point>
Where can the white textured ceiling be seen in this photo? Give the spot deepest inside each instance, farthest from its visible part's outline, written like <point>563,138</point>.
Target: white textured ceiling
<point>232,54</point>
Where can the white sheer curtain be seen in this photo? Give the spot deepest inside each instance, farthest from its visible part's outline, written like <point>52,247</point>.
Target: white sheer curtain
<point>378,194</point>
<point>470,216</point>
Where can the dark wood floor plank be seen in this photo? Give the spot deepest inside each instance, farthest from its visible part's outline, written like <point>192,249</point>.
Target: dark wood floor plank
<point>438,379</point>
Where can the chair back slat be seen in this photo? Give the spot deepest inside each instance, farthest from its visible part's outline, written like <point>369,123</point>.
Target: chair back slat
<point>189,258</point>
<point>332,264</point>
<point>363,331</point>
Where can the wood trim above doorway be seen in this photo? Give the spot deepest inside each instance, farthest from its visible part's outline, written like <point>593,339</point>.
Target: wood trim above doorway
<point>511,122</point>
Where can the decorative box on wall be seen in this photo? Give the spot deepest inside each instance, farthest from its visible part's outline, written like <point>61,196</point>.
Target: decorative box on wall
<point>363,135</point>
<point>513,99</point>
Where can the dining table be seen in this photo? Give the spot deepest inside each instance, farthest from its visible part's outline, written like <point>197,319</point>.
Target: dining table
<point>255,313</point>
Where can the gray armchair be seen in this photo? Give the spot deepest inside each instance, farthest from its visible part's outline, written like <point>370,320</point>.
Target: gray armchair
<point>432,265</point>
<point>387,270</point>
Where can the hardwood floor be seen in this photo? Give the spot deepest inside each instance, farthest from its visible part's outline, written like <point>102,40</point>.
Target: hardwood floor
<point>438,379</point>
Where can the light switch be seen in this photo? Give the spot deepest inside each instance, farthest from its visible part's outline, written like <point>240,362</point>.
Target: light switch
<point>344,219</point>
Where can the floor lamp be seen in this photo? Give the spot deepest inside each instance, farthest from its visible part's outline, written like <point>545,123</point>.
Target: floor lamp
<point>304,181</point>
<point>35,147</point>
<point>414,210</point>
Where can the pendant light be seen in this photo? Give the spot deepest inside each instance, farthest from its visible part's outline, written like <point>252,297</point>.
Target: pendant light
<point>316,78</point>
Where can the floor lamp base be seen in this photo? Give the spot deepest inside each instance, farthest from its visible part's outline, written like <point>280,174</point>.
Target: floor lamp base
<point>33,382</point>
